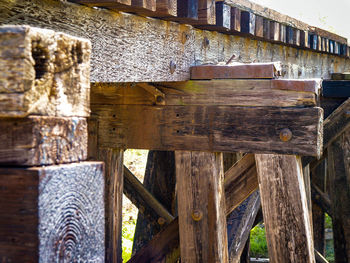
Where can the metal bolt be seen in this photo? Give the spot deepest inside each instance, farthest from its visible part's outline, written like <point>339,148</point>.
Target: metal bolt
<point>161,221</point>
<point>185,37</point>
<point>206,42</point>
<point>285,135</point>
<point>172,67</point>
<point>159,99</point>
<point>197,215</point>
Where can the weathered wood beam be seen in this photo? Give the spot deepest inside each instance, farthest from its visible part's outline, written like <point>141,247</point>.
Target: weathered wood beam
<point>248,22</point>
<point>222,17</point>
<point>52,213</point>
<point>235,19</point>
<point>321,199</point>
<point>239,224</point>
<point>158,43</point>
<point>341,76</point>
<point>44,73</point>
<point>339,174</point>
<point>238,92</point>
<point>211,128</point>
<point>201,207</point>
<point>287,222</point>
<point>143,199</point>
<point>160,181</point>
<point>113,159</point>
<point>39,140</point>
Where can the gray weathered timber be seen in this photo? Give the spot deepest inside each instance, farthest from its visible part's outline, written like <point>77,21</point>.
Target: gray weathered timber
<point>284,204</point>
<point>43,73</point>
<point>339,180</point>
<point>113,159</point>
<point>52,214</point>
<point>201,207</point>
<point>38,140</point>
<point>239,224</point>
<point>210,128</point>
<point>127,47</point>
<point>278,93</point>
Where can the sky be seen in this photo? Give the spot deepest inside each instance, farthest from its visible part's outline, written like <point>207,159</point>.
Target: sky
<point>332,15</point>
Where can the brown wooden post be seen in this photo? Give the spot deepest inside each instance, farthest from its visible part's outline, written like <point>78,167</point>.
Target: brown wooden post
<point>318,176</point>
<point>113,159</point>
<point>339,175</point>
<point>284,203</point>
<point>201,207</point>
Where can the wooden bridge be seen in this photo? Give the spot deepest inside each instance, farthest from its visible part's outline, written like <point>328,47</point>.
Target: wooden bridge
<point>245,111</point>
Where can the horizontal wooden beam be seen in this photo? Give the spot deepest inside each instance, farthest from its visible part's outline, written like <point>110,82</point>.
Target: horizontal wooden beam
<point>211,128</point>
<point>279,93</point>
<point>126,38</point>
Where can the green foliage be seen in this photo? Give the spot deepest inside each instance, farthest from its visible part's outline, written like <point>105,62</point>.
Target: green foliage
<point>258,245</point>
<point>328,221</point>
<point>128,231</point>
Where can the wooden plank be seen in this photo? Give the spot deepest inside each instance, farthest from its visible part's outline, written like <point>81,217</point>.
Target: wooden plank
<point>259,26</point>
<point>211,128</point>
<point>283,33</point>
<point>338,169</point>
<point>166,8</point>
<point>340,76</point>
<point>336,88</point>
<point>267,28</point>
<point>304,39</point>
<point>206,13</point>
<point>187,9</point>
<point>235,19</point>
<point>201,206</point>
<point>142,198</point>
<point>159,180</point>
<point>318,178</point>
<point>280,93</point>
<point>288,228</point>
<point>313,40</point>
<point>222,17</point>
<point>157,42</point>
<point>53,213</point>
<point>238,71</point>
<point>240,180</point>
<point>239,224</point>
<point>43,73</point>
<point>98,3</point>
<point>247,22</point>
<point>290,32</point>
<point>274,31</point>
<point>38,140</point>
<point>113,159</point>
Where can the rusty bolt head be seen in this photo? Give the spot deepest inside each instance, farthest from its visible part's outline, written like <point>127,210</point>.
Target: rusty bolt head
<point>172,67</point>
<point>161,221</point>
<point>285,135</point>
<point>159,99</point>
<point>197,215</point>
<point>206,42</point>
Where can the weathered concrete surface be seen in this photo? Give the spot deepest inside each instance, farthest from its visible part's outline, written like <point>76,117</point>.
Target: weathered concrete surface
<point>127,47</point>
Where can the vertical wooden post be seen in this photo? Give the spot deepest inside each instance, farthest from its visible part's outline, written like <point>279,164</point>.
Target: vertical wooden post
<point>339,179</point>
<point>284,203</point>
<point>113,159</point>
<point>318,176</point>
<point>201,207</point>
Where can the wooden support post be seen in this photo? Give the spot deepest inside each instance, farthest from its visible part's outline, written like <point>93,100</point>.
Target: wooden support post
<point>159,180</point>
<point>318,177</point>
<point>282,190</point>
<point>201,207</point>
<point>52,213</point>
<point>339,175</point>
<point>113,159</point>
<point>206,12</point>
<point>259,26</point>
<point>239,224</point>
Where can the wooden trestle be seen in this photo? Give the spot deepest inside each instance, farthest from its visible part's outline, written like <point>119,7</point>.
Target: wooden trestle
<point>230,145</point>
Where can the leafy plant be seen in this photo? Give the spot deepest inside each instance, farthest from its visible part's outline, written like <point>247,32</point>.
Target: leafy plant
<point>258,245</point>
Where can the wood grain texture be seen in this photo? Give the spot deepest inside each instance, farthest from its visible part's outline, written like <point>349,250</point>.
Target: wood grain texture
<point>279,93</point>
<point>339,177</point>
<point>282,191</point>
<point>37,140</point>
<point>160,181</point>
<point>235,19</point>
<point>43,73</point>
<point>201,207</point>
<point>167,7</point>
<point>113,159</point>
<point>259,26</point>
<point>127,38</point>
<point>211,128</point>
<point>52,214</point>
<point>206,12</point>
<point>239,224</point>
